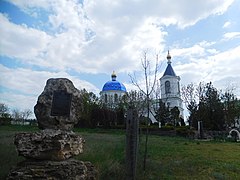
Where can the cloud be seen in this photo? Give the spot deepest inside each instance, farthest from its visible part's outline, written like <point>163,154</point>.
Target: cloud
<point>25,85</point>
<point>183,13</point>
<point>22,42</point>
<point>221,68</point>
<point>231,35</point>
<point>98,36</point>
<point>227,24</point>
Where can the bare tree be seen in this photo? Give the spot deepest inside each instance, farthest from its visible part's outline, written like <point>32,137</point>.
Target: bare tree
<point>26,113</point>
<point>16,115</point>
<point>20,116</point>
<point>150,78</point>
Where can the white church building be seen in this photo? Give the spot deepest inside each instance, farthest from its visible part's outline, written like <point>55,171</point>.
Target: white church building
<point>112,92</point>
<point>170,88</point>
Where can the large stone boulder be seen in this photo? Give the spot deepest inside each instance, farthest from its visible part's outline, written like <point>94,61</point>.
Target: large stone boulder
<point>59,105</point>
<point>49,144</point>
<point>55,170</point>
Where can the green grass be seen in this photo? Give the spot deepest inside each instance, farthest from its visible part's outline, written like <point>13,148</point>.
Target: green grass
<point>168,157</point>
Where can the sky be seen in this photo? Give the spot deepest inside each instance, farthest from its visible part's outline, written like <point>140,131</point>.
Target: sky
<point>86,40</point>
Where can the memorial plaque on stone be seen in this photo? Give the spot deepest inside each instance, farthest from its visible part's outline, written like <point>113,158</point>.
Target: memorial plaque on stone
<point>61,103</point>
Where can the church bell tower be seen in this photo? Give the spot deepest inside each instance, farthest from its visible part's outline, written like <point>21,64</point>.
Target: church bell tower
<point>170,88</point>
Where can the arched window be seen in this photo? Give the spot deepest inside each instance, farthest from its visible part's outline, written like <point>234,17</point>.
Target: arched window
<point>105,98</point>
<point>167,87</point>
<point>115,98</point>
<point>178,88</point>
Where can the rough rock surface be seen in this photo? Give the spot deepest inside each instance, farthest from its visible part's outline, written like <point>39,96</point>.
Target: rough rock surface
<point>43,108</point>
<point>49,151</point>
<point>55,170</point>
<point>49,144</point>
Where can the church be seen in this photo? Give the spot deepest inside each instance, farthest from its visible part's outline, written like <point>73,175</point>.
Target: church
<point>113,90</point>
<point>170,88</point>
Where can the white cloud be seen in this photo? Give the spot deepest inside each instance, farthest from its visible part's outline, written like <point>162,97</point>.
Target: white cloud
<point>18,101</point>
<point>183,12</point>
<point>20,41</point>
<point>25,85</point>
<point>231,35</point>
<point>97,36</point>
<point>227,24</point>
<point>28,81</point>
<point>221,68</point>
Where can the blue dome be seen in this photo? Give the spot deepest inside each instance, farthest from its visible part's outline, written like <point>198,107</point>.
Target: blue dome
<point>114,85</point>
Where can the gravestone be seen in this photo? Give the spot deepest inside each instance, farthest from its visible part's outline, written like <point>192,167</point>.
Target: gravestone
<point>49,152</point>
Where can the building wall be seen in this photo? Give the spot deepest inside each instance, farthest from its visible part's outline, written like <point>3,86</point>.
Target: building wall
<point>111,98</point>
<point>170,92</point>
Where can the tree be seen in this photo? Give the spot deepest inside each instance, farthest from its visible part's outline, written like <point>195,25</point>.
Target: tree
<point>5,117</point>
<point>17,116</point>
<point>147,91</point>
<point>210,108</point>
<point>231,107</point>
<point>162,113</point>
<point>89,111</point>
<point>21,116</point>
<point>175,116</point>
<point>190,98</point>
<point>4,111</point>
<point>26,113</point>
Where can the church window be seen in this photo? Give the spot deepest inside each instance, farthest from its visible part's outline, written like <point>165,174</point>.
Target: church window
<point>167,87</point>
<point>105,98</point>
<point>178,88</point>
<point>115,97</point>
<point>168,104</point>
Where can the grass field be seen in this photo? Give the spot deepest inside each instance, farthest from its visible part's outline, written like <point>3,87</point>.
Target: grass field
<point>168,157</point>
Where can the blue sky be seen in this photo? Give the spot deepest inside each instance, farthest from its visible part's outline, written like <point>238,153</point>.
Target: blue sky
<point>86,40</point>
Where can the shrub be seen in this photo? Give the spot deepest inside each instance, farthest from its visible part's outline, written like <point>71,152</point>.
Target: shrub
<point>184,131</point>
<point>167,128</point>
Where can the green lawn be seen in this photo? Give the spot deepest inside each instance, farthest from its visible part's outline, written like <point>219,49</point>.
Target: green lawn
<point>168,157</point>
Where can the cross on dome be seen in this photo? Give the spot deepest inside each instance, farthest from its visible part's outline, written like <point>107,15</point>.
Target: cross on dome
<point>114,76</point>
<point>169,57</point>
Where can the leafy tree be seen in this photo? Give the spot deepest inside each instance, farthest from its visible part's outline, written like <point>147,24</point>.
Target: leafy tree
<point>89,103</point>
<point>191,98</point>
<point>4,111</point>
<point>5,117</point>
<point>210,108</point>
<point>175,116</point>
<point>231,108</point>
<point>163,113</point>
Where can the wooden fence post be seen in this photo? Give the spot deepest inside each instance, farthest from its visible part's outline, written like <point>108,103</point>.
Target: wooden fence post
<point>131,144</point>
